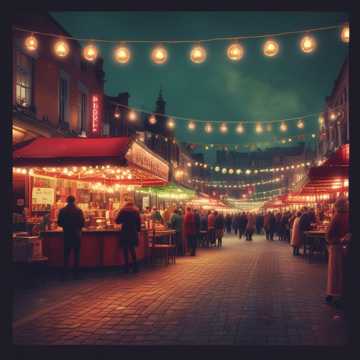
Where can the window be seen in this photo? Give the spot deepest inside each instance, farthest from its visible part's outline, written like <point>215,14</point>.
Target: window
<point>63,99</point>
<point>83,111</point>
<point>23,79</point>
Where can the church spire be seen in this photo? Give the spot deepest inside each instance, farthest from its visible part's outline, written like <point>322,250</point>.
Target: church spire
<point>160,103</point>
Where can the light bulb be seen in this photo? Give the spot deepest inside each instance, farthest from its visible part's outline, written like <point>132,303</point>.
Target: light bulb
<point>61,48</point>
<point>208,128</point>
<point>170,123</point>
<point>345,33</point>
<point>271,48</point>
<point>240,128</point>
<point>122,55</point>
<point>191,125</point>
<point>90,52</point>
<point>198,54</point>
<point>159,55</point>
<point>258,128</point>
<point>31,43</point>
<point>152,120</point>
<point>223,128</point>
<point>283,127</point>
<point>308,44</point>
<point>235,52</point>
<point>300,124</point>
<point>132,115</point>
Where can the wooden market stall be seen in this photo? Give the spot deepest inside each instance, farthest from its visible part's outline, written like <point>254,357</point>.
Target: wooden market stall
<point>101,173</point>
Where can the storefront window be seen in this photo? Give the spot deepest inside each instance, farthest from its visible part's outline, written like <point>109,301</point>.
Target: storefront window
<point>23,79</point>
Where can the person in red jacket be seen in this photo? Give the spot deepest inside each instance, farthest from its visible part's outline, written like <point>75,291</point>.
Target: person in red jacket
<point>190,230</point>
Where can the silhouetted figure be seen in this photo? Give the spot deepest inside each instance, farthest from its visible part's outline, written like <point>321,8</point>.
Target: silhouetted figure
<point>71,219</point>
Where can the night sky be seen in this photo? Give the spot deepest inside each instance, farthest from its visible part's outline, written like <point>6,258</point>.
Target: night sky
<point>255,89</point>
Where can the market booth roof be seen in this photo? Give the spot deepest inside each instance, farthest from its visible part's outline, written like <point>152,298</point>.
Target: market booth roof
<point>120,160</point>
<point>330,176</point>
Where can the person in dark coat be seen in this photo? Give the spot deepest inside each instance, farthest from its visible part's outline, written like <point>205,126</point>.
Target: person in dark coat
<point>71,219</point>
<point>235,223</point>
<point>228,221</point>
<point>304,224</point>
<point>197,221</point>
<point>129,220</point>
<point>219,227</point>
<point>272,226</point>
<point>259,223</point>
<point>190,230</point>
<point>242,224</point>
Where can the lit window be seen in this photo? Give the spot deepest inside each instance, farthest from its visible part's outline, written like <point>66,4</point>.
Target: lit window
<point>23,79</point>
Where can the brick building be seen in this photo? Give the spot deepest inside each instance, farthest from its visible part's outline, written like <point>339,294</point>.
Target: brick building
<point>334,131</point>
<point>53,96</point>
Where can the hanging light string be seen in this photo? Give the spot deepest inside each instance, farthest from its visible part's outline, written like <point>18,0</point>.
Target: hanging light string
<point>240,186</point>
<point>192,119</point>
<point>225,38</point>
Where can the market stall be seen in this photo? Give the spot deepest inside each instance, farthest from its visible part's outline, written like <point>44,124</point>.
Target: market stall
<point>101,173</point>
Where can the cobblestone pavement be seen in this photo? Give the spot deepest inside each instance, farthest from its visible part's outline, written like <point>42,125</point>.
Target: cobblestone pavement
<point>246,293</point>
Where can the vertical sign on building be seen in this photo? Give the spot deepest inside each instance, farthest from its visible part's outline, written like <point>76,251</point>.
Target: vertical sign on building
<point>95,115</point>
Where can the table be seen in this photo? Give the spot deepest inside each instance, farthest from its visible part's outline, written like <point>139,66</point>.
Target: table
<point>315,240</point>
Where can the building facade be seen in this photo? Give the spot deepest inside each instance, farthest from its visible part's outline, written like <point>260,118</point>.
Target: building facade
<point>334,130</point>
<point>53,96</point>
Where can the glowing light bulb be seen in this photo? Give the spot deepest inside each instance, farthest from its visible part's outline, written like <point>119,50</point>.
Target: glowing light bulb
<point>268,127</point>
<point>313,136</point>
<point>271,48</point>
<point>231,171</point>
<point>117,113</point>
<point>31,43</point>
<point>258,128</point>
<point>159,55</point>
<point>332,115</point>
<point>122,55</point>
<point>235,52</point>
<point>152,120</point>
<point>61,48</point>
<point>224,170</point>
<point>191,125</point>
<point>198,54</point>
<point>217,168</point>
<point>208,128</point>
<point>90,52</point>
<point>223,128</point>
<point>345,33</point>
<point>132,115</point>
<point>240,128</point>
<point>170,123</point>
<point>308,44</point>
<point>300,124</point>
<point>283,127</point>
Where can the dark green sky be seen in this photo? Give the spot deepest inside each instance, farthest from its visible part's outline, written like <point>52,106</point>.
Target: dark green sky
<point>257,88</point>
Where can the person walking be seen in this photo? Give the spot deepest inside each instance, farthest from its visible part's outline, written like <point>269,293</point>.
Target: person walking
<point>267,225</point>
<point>204,229</point>
<point>219,227</point>
<point>259,223</point>
<point>211,227</point>
<point>295,241</point>
<point>235,223</point>
<point>228,221</point>
<point>129,220</point>
<point>242,224</point>
<point>304,224</point>
<point>176,223</point>
<point>190,230</point>
<point>272,226</point>
<point>197,221</point>
<point>250,226</point>
<point>71,219</point>
<point>336,235</point>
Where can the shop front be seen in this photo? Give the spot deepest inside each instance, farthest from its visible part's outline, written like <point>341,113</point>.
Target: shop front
<point>102,173</point>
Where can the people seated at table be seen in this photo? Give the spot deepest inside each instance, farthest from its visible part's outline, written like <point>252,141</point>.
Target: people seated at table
<point>336,234</point>
<point>156,216</point>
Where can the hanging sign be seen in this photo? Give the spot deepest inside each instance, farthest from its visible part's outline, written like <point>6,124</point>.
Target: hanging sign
<point>95,114</point>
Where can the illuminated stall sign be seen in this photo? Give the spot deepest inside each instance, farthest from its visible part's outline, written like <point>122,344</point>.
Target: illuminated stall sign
<point>146,160</point>
<point>95,114</point>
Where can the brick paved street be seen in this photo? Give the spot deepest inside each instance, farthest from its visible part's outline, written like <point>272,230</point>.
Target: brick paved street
<point>247,293</point>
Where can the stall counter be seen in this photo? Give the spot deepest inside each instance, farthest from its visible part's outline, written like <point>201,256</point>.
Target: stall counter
<point>99,248</point>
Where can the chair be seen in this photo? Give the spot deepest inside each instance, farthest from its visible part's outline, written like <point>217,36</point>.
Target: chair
<point>166,250</point>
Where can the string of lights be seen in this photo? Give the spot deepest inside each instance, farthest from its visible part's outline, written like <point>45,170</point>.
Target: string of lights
<point>133,115</point>
<point>241,186</point>
<point>235,51</point>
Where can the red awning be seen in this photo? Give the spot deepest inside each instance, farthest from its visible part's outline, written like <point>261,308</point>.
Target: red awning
<point>72,151</point>
<point>331,176</point>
